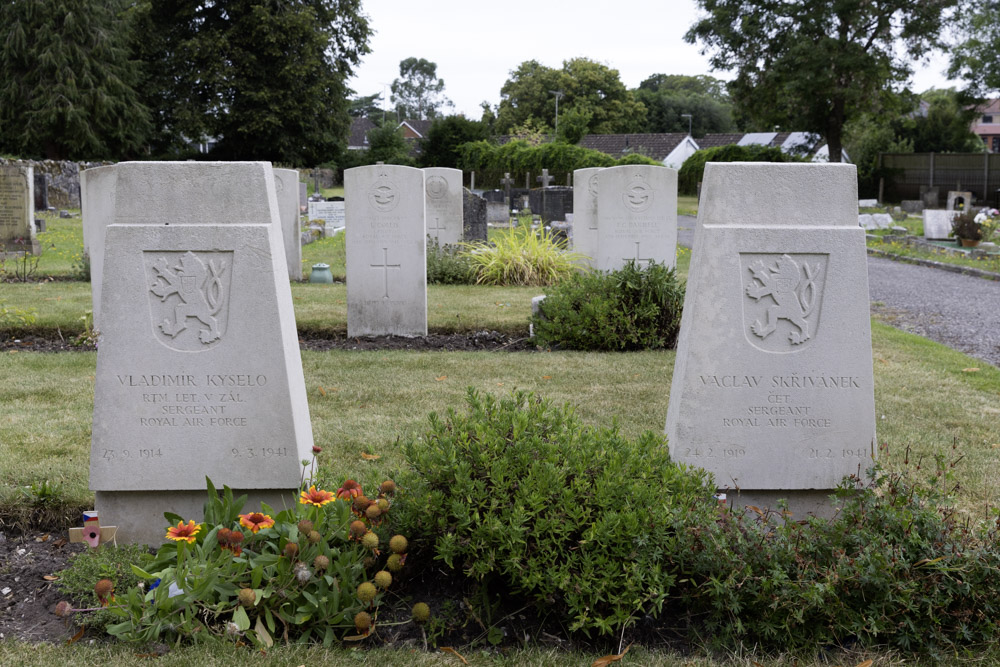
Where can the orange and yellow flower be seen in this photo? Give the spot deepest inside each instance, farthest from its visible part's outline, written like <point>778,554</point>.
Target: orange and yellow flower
<point>349,490</point>
<point>314,496</point>
<point>255,521</point>
<point>184,533</point>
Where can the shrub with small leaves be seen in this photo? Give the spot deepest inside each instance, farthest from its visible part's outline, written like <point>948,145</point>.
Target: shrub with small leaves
<point>447,265</point>
<point>578,519</point>
<point>629,309</point>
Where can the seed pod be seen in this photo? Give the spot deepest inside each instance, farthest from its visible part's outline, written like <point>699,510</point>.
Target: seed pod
<point>367,592</point>
<point>247,597</point>
<point>398,544</point>
<point>421,612</point>
<point>383,579</point>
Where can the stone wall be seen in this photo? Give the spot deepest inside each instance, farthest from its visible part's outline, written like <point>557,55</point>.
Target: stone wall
<point>63,176</point>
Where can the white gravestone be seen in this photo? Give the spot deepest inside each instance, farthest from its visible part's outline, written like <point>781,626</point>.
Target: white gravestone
<point>198,366</point>
<point>443,187</point>
<point>585,213</point>
<point>937,223</point>
<point>636,216</point>
<point>331,213</point>
<point>772,389</point>
<point>97,204</point>
<point>17,210</point>
<point>386,251</point>
<point>303,196</point>
<point>286,185</point>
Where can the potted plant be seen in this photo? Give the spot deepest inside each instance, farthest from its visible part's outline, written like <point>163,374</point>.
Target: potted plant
<point>965,228</point>
<point>989,223</point>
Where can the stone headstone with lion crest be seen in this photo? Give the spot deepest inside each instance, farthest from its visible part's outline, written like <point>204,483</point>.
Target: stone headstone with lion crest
<point>772,389</point>
<point>198,366</point>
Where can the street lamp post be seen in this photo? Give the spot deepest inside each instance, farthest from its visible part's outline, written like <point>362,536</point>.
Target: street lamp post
<point>558,94</point>
<point>688,116</point>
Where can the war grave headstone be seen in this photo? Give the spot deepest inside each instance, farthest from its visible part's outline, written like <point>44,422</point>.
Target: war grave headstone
<point>286,187</point>
<point>958,200</point>
<point>386,251</point>
<point>474,227</point>
<point>303,196</point>
<point>443,188</point>
<point>97,205</point>
<point>937,223</point>
<point>198,367</point>
<point>585,213</point>
<point>17,211</point>
<point>772,389</point>
<point>636,216</point>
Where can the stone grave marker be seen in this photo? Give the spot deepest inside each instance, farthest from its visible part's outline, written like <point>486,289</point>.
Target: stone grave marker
<point>41,191</point>
<point>930,196</point>
<point>958,200</point>
<point>386,251</point>
<point>286,187</point>
<point>198,367</point>
<point>772,389</point>
<point>636,216</point>
<point>497,213</point>
<point>17,211</point>
<point>585,213</point>
<point>444,204</point>
<point>507,183</point>
<point>303,196</point>
<point>332,213</point>
<point>473,217</point>
<point>97,204</point>
<point>937,223</point>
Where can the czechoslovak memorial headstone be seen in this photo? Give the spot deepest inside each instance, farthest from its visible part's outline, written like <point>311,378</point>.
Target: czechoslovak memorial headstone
<point>198,367</point>
<point>636,216</point>
<point>386,251</point>
<point>772,389</point>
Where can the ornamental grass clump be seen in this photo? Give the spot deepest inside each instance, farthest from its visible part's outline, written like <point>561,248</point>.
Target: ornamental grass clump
<point>302,573</point>
<point>580,520</point>
<point>522,256</point>
<point>632,308</point>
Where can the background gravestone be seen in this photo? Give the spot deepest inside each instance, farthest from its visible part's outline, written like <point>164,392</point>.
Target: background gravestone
<point>97,195</point>
<point>958,200</point>
<point>331,213</point>
<point>937,223</point>
<point>552,203</point>
<point>198,366</point>
<point>772,389</point>
<point>41,191</point>
<point>443,187</point>
<point>386,251</point>
<point>286,182</point>
<point>17,210</point>
<point>585,213</point>
<point>473,216</point>
<point>636,216</point>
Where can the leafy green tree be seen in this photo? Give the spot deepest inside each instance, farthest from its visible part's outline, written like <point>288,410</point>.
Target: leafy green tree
<point>812,65</point>
<point>67,83</point>
<point>976,58</point>
<point>386,144</point>
<point>588,87</point>
<point>366,106</point>
<point>668,97</point>
<point>440,147</point>
<point>265,77</point>
<point>418,93</point>
<point>943,126</point>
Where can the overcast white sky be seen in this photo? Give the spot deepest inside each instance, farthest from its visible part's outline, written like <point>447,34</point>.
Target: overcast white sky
<point>476,44</point>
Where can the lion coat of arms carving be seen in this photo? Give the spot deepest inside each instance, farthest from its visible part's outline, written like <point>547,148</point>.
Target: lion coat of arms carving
<point>783,295</point>
<point>189,297</point>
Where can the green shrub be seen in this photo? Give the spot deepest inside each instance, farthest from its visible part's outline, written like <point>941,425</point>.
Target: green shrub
<point>627,309</point>
<point>898,565</point>
<point>88,567</point>
<point>448,265</point>
<point>522,256</point>
<point>693,169</point>
<point>578,519</point>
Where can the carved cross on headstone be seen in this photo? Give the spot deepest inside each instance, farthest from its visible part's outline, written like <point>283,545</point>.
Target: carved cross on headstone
<point>385,266</point>
<point>637,258</point>
<point>545,179</point>
<point>437,228</point>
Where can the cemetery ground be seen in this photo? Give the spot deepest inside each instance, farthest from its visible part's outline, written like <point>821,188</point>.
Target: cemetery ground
<point>363,403</point>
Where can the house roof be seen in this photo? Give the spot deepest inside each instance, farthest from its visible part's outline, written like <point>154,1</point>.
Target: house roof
<point>359,133</point>
<point>656,146</point>
<point>722,139</point>
<point>418,127</point>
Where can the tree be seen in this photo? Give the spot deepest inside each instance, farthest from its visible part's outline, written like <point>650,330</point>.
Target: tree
<point>668,97</point>
<point>67,84</point>
<point>386,144</point>
<point>588,87</point>
<point>811,65</point>
<point>942,126</point>
<point>440,147</point>
<point>977,57</point>
<point>265,77</point>
<point>366,106</point>
<point>418,92</point>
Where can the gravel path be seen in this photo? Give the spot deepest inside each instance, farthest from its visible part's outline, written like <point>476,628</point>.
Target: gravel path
<point>960,311</point>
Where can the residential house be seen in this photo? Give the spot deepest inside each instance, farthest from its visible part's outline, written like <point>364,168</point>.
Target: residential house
<point>987,125</point>
<point>670,149</point>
